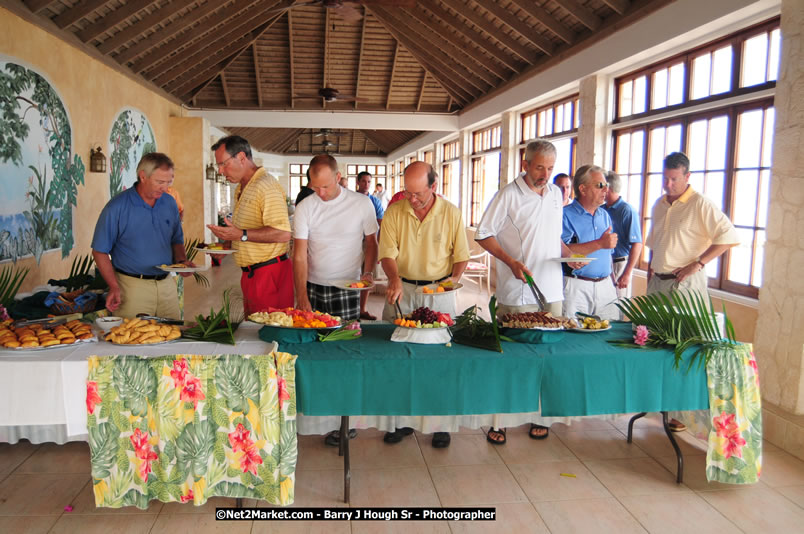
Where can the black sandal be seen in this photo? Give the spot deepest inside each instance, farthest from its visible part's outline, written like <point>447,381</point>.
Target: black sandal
<point>501,432</point>
<point>534,426</point>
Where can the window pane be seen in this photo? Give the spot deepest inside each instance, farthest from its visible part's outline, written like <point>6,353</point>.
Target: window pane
<point>721,70</point>
<point>714,187</point>
<point>568,116</point>
<point>745,197</point>
<point>716,146</point>
<point>548,128</point>
<point>640,85</point>
<point>626,98</point>
<point>697,145</point>
<point>767,140</point>
<point>759,259</point>
<point>764,199</point>
<point>633,187</point>
<point>637,151</point>
<point>623,149</point>
<point>351,169</point>
<point>656,150</point>
<point>740,260</point>
<point>577,114</point>
<point>295,168</point>
<point>654,188</point>
<point>559,119</point>
<point>713,268</point>
<point>755,57</point>
<point>697,181</point>
<point>701,69</point>
<point>749,138</point>
<point>563,157</point>
<point>645,249</point>
<point>542,123</point>
<point>773,56</point>
<point>675,94</point>
<point>672,142</point>
<point>352,183</point>
<point>659,99</point>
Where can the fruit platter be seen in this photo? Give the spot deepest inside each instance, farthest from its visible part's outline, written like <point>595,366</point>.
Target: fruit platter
<point>592,324</point>
<point>424,317</point>
<point>294,318</point>
<point>357,285</point>
<point>40,336</point>
<point>537,320</point>
<point>440,287</point>
<point>214,248</point>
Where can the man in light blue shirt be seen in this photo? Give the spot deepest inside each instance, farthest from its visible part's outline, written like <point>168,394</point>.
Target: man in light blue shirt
<point>626,224</point>
<point>587,230</point>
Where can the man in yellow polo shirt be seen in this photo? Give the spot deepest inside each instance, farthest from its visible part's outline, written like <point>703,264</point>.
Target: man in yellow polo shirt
<point>259,228</point>
<point>422,241</point>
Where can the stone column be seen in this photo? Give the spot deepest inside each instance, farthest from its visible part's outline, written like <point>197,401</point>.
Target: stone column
<point>779,340</point>
<point>190,153</point>
<point>508,153</point>
<point>592,134</point>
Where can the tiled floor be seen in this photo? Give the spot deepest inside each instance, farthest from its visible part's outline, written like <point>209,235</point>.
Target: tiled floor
<point>582,478</point>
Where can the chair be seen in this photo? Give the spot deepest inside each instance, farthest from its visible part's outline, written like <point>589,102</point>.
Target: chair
<point>478,267</point>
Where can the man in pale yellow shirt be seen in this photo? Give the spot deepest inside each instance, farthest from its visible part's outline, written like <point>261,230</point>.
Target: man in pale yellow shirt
<point>259,229</point>
<point>422,241</point>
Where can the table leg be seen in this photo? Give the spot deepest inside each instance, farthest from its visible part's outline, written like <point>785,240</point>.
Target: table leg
<point>679,458</point>
<point>344,451</point>
<point>631,424</point>
<point>239,502</point>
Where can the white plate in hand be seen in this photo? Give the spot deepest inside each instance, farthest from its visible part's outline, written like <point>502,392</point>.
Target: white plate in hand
<point>185,269</point>
<point>447,290</point>
<point>344,284</point>
<point>585,259</point>
<point>216,250</point>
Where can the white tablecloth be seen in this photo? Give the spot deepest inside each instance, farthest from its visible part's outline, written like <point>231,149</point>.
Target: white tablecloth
<point>43,393</point>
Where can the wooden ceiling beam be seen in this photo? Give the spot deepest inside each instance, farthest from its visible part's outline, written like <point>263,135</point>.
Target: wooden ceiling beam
<point>352,143</point>
<point>376,137</point>
<point>581,14</point>
<point>169,30</point>
<point>480,21</point>
<point>290,137</point>
<point>158,16</point>
<point>547,20</point>
<point>112,19</point>
<point>393,72</point>
<point>449,104</point>
<point>474,36</point>
<point>257,79</point>
<point>78,11</point>
<point>518,26</point>
<point>446,79</point>
<point>326,54</point>
<point>360,57</point>
<point>225,89</point>
<point>620,6</point>
<point>38,5</point>
<point>290,58</point>
<point>458,50</point>
<point>421,91</point>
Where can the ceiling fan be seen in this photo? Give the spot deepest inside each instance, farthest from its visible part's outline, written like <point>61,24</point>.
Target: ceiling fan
<point>324,132</point>
<point>330,94</point>
<point>349,10</point>
<point>326,144</point>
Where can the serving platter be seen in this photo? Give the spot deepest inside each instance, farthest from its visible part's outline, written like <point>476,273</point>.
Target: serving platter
<point>344,284</point>
<point>589,330</point>
<point>294,327</point>
<point>169,269</point>
<point>585,259</point>
<point>447,290</point>
<point>216,250</point>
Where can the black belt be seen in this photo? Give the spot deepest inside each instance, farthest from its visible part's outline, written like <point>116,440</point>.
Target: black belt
<point>253,267</point>
<point>424,282</point>
<point>586,278</point>
<point>618,260</point>
<point>143,276</point>
<point>665,276</point>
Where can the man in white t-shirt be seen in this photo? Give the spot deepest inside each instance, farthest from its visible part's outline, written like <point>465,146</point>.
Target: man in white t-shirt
<point>522,229</point>
<point>328,231</point>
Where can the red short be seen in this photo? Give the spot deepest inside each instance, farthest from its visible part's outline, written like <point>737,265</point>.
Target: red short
<point>270,286</point>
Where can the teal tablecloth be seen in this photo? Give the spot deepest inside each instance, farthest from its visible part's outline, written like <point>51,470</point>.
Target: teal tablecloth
<point>580,375</point>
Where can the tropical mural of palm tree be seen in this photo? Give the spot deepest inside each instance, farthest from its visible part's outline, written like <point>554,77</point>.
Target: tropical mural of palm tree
<point>131,137</point>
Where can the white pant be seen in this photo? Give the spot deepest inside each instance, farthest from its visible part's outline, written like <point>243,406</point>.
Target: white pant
<point>619,267</point>
<point>592,298</point>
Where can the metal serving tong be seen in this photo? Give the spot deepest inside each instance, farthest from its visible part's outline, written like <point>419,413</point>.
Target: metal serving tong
<point>162,320</point>
<point>398,310</point>
<point>47,321</point>
<point>537,293</point>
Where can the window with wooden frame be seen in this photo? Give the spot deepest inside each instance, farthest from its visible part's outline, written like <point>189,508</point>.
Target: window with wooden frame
<point>297,177</point>
<point>450,171</point>
<point>451,151</point>
<point>558,118</point>
<point>428,157</point>
<point>485,168</point>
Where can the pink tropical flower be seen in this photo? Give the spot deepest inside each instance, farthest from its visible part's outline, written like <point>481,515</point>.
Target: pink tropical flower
<point>189,497</point>
<point>142,450</point>
<point>139,440</point>
<point>725,425</point>
<point>283,390</point>
<point>179,372</point>
<point>251,459</point>
<point>192,391</point>
<point>734,446</point>
<point>92,396</point>
<point>641,335</point>
<point>239,438</point>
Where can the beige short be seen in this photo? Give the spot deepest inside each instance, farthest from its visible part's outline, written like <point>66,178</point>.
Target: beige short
<point>153,297</point>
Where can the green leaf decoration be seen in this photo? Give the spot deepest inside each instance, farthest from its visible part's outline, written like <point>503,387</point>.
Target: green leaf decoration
<point>269,492</point>
<point>266,473</point>
<point>269,414</point>
<point>194,447</point>
<point>217,472</point>
<point>91,421</point>
<point>136,383</point>
<point>233,489</point>
<point>119,483</point>
<point>103,446</point>
<point>167,404</point>
<point>238,380</point>
<point>122,460</point>
<point>120,420</point>
<point>219,452</point>
<point>288,450</point>
<point>231,472</point>
<point>169,452</point>
<point>176,475</point>
<point>136,498</point>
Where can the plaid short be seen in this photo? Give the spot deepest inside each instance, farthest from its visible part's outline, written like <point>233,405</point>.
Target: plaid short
<point>334,301</point>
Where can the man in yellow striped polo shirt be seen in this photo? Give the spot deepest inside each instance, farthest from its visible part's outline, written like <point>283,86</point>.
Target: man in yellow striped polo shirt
<point>259,228</point>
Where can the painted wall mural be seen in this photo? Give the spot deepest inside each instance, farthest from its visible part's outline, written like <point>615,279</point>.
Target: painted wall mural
<point>39,175</point>
<point>131,137</point>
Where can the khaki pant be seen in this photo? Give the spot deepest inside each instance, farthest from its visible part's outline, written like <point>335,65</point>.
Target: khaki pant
<point>553,307</point>
<point>591,298</point>
<point>697,282</point>
<point>153,297</point>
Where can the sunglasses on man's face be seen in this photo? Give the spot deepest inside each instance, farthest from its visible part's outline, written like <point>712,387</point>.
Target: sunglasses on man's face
<point>600,185</point>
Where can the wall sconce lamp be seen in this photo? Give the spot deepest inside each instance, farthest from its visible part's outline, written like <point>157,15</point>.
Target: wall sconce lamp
<point>97,161</point>
<point>211,172</point>
<point>221,179</point>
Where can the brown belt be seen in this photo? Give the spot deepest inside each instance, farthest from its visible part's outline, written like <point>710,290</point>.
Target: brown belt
<point>586,278</point>
<point>665,276</point>
<point>621,258</point>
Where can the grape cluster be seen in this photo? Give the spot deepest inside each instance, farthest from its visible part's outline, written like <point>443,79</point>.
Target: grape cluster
<point>424,314</point>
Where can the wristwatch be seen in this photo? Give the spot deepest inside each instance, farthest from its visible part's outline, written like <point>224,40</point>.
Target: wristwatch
<point>244,237</point>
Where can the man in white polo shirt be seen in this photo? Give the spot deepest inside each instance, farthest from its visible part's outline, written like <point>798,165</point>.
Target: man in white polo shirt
<point>522,229</point>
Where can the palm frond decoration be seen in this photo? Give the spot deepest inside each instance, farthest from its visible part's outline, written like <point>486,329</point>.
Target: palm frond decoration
<point>81,272</point>
<point>680,320</point>
<point>11,279</point>
<point>190,252</point>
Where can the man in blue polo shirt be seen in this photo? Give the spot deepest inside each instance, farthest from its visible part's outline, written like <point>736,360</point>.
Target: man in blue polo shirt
<point>587,230</point>
<point>625,222</point>
<point>140,228</point>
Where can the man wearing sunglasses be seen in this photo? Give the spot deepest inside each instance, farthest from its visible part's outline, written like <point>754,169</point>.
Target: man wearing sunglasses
<point>587,231</point>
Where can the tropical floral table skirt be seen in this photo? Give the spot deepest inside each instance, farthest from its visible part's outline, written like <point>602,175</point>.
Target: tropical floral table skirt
<point>186,428</point>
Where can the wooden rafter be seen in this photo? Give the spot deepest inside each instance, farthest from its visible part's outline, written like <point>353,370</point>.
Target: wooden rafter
<point>474,36</point>
<point>290,137</point>
<point>455,50</point>
<point>480,21</point>
<point>158,16</point>
<point>225,89</point>
<point>360,58</point>
<point>449,104</point>
<point>620,6</point>
<point>435,57</point>
<point>548,20</point>
<point>518,26</point>
<point>352,143</point>
<point>421,91</point>
<point>78,11</point>
<point>581,14</point>
<point>257,79</point>
<point>292,67</point>
<point>38,5</point>
<point>175,27</point>
<point>391,80</point>
<point>326,54</point>
<point>112,19</point>
<point>445,80</point>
